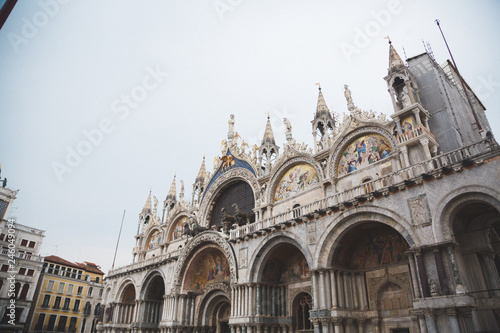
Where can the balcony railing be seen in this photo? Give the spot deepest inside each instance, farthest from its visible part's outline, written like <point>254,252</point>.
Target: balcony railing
<point>144,263</point>
<point>23,255</point>
<point>444,162</point>
<point>416,132</point>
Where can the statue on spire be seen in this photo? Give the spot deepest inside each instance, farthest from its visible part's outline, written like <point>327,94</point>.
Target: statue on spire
<point>288,131</point>
<point>348,97</point>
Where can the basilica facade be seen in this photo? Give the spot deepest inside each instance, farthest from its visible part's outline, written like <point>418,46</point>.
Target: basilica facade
<point>386,224</point>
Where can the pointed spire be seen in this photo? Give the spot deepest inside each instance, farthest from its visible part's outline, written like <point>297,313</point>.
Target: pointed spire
<point>202,172</point>
<point>268,134</point>
<point>321,108</point>
<point>147,206</point>
<point>172,194</point>
<point>395,62</point>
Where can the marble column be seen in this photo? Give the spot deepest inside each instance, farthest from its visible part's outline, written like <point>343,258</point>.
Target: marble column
<point>321,289</point>
<point>354,290</point>
<point>441,273</point>
<point>423,275</point>
<point>490,272</point>
<point>328,291</point>
<point>459,289</point>
<point>361,323</point>
<point>316,302</point>
<point>258,301</point>
<point>337,325</point>
<point>324,326</point>
<point>452,317</point>
<point>233,301</point>
<point>413,272</point>
<point>429,320</point>
<point>348,300</point>
<point>340,290</point>
<point>251,300</point>
<point>333,286</point>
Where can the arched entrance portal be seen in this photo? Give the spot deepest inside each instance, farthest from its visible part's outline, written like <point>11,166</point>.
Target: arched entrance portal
<point>370,274</point>
<point>151,308</point>
<point>476,229</point>
<point>215,312</point>
<point>284,287</point>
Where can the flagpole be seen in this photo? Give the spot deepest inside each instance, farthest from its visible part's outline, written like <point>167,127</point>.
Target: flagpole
<point>118,241</point>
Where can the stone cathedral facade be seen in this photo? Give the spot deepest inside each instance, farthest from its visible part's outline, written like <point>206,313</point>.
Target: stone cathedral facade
<point>386,224</point>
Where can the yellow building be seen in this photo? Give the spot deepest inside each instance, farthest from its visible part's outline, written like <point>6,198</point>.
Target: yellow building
<point>65,294</point>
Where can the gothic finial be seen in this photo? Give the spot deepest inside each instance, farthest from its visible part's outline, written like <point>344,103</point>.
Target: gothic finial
<point>387,37</point>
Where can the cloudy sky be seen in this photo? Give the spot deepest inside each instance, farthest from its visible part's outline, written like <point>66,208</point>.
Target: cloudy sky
<point>102,100</point>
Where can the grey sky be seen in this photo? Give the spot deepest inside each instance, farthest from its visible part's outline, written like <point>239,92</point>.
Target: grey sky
<point>65,69</point>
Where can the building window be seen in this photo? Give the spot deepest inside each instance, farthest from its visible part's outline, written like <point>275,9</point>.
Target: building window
<point>31,244</point>
<point>24,242</point>
<point>66,303</point>
<point>1,284</point>
<point>39,323</point>
<point>70,289</point>
<point>302,312</point>
<point>2,237</point>
<point>239,193</point>
<point>97,310</point>
<point>52,323</point>
<point>60,289</point>
<point>4,268</point>
<point>76,307</point>
<point>97,279</point>
<point>17,288</point>
<point>68,272</point>
<point>50,285</point>
<point>79,276</point>
<point>89,292</point>
<point>80,291</point>
<point>72,325</point>
<point>61,327</point>
<point>22,271</point>
<point>51,268</point>
<point>56,270</point>
<point>24,291</point>
<point>57,303</point>
<point>100,293</point>
<point>46,301</point>
<point>31,272</point>
<point>87,309</point>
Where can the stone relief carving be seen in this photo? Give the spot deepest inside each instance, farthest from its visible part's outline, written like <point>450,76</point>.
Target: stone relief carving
<point>243,257</point>
<point>311,233</point>
<point>419,210</point>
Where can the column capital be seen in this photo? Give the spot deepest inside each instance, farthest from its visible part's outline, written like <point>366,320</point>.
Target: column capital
<point>429,313</point>
<point>451,312</point>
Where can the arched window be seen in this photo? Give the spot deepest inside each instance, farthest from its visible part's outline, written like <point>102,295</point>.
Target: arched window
<point>87,309</point>
<point>303,303</point>
<point>17,287</point>
<point>24,291</point>
<point>239,193</point>
<point>97,310</point>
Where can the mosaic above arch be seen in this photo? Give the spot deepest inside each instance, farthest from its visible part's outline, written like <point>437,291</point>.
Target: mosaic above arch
<point>305,174</point>
<point>178,228</point>
<point>360,149</point>
<point>295,180</point>
<point>154,240</point>
<point>207,268</point>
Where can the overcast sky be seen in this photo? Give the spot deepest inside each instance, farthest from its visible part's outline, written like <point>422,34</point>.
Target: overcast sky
<point>140,90</point>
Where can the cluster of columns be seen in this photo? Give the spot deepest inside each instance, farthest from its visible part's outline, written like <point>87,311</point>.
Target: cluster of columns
<point>124,313</point>
<point>272,328</point>
<point>179,308</point>
<point>336,289</point>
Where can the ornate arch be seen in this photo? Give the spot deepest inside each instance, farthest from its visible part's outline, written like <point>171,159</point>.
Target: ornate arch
<point>448,206</point>
<point>209,294</point>
<point>267,245</point>
<point>207,237</point>
<point>223,180</point>
<point>355,216</point>
<point>340,147</point>
<point>284,167</point>
<point>124,284</point>
<point>147,281</point>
